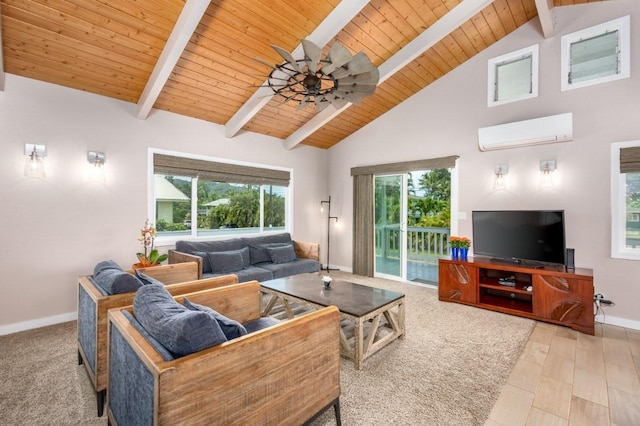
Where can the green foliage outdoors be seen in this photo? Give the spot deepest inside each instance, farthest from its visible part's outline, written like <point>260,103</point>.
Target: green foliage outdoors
<point>430,210</point>
<point>242,211</point>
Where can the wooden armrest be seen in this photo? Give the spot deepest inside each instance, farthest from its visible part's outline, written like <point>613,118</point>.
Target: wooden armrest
<point>307,250</point>
<point>199,285</point>
<point>173,273</point>
<point>180,257</point>
<point>240,302</point>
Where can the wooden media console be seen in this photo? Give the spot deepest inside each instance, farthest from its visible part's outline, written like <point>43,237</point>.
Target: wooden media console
<point>550,293</point>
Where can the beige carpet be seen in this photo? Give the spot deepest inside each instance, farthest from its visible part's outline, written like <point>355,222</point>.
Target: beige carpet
<point>448,371</point>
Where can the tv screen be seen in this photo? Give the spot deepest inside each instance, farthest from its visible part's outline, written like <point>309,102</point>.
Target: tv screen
<point>520,236</point>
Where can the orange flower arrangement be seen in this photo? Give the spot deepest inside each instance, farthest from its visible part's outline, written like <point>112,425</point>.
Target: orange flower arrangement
<point>459,242</point>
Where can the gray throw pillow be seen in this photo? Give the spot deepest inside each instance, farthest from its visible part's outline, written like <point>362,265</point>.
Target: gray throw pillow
<point>230,328</point>
<point>206,266</point>
<point>226,262</point>
<point>113,280</point>
<point>177,328</point>
<point>283,254</point>
<point>260,254</point>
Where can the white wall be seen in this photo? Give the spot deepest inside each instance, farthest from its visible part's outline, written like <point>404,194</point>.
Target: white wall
<point>443,120</point>
<point>58,228</point>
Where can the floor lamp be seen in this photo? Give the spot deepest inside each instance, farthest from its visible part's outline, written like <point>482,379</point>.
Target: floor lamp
<point>329,217</point>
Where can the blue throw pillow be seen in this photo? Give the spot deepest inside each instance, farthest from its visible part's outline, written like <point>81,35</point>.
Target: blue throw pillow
<point>226,262</point>
<point>113,280</point>
<point>230,328</point>
<point>177,328</point>
<point>284,254</point>
<point>146,279</point>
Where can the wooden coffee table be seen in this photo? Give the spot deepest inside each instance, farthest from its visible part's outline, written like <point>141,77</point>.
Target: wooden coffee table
<point>371,317</point>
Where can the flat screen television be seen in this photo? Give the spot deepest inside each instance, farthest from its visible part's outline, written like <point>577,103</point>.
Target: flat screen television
<point>531,237</point>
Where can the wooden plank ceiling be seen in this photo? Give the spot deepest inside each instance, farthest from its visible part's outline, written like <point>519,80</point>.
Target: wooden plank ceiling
<point>111,48</point>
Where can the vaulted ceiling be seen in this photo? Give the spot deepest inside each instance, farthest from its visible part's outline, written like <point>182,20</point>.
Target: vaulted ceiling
<point>197,58</point>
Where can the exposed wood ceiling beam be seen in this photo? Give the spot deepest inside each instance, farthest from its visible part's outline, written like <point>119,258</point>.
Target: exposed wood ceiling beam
<point>432,35</point>
<point>545,13</point>
<point>1,55</point>
<point>187,23</point>
<point>336,21</point>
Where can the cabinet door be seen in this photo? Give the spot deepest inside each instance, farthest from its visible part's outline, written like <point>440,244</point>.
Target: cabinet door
<point>457,282</point>
<point>567,300</point>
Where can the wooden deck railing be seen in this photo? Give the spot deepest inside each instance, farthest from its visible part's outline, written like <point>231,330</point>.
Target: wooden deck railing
<point>423,244</point>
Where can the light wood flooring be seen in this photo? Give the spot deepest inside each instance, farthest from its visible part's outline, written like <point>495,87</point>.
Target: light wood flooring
<point>565,377</point>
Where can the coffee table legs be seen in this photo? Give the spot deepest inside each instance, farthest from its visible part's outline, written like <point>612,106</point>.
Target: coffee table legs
<point>366,340</point>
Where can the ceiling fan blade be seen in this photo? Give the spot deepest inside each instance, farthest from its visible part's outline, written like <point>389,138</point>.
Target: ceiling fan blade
<point>337,57</point>
<point>359,64</point>
<point>339,102</point>
<point>321,103</point>
<point>287,57</point>
<point>263,62</point>
<point>371,77</point>
<point>312,53</point>
<point>304,102</point>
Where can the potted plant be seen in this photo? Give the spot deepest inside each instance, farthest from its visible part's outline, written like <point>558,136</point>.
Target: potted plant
<point>150,256</point>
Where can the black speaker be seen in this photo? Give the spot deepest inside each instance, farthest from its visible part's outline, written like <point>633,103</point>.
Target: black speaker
<point>571,258</point>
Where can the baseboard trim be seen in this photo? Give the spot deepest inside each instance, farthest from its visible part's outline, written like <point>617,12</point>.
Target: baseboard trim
<point>620,322</point>
<point>37,323</point>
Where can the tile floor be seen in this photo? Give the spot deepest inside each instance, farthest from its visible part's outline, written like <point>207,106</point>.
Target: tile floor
<point>565,377</point>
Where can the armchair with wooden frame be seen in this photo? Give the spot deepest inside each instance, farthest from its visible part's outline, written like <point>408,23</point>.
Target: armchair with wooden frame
<point>93,306</point>
<point>284,374</point>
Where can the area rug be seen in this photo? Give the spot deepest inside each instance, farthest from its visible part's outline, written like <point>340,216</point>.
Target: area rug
<point>448,371</point>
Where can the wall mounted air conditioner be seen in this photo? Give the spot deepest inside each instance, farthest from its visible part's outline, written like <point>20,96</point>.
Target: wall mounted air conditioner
<point>555,128</point>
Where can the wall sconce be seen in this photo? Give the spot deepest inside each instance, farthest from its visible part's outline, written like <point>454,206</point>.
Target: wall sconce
<point>547,168</point>
<point>329,217</point>
<point>500,181</point>
<point>95,161</point>
<point>34,163</point>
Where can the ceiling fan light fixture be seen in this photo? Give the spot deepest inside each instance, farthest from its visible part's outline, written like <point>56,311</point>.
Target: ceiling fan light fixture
<point>337,79</point>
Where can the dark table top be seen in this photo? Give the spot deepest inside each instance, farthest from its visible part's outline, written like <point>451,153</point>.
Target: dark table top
<point>350,298</point>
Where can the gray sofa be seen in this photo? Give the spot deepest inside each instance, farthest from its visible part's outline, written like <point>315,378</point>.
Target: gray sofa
<point>259,258</point>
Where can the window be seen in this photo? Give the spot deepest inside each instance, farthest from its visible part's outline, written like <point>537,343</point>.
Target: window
<point>625,200</point>
<point>513,77</point>
<point>202,197</point>
<point>596,55</point>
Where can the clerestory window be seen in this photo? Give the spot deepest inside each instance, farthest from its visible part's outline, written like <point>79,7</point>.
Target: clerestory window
<point>595,55</point>
<point>205,197</point>
<point>513,77</point>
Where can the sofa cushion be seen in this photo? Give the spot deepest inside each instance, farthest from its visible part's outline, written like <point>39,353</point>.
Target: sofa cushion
<point>259,253</point>
<point>283,254</point>
<point>207,246</point>
<point>298,266</point>
<point>177,328</point>
<point>208,267</point>
<point>230,328</point>
<point>225,262</point>
<point>254,273</point>
<point>260,323</point>
<point>113,280</point>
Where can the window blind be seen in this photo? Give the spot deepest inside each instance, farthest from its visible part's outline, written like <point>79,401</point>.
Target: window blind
<point>630,160</point>
<point>513,78</point>
<point>406,166</point>
<point>594,57</point>
<point>218,172</point>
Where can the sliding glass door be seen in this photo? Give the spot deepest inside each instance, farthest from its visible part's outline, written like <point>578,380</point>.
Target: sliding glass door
<point>390,214</point>
<point>412,224</point>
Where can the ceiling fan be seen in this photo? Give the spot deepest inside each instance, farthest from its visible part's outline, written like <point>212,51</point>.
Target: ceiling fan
<point>337,79</point>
